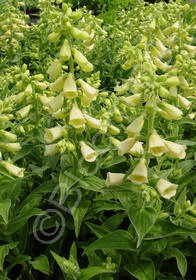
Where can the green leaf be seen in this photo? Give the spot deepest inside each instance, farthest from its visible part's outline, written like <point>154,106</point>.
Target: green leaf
<point>180,259</point>
<point>179,205</point>
<point>143,270</point>
<point>142,220</point>
<point>4,209</point>
<point>93,183</point>
<point>26,149</point>
<point>20,220</point>
<point>66,180</point>
<point>4,251</point>
<point>73,251</point>
<point>41,263</point>
<point>118,239</point>
<point>78,214</point>
<point>115,160</point>
<point>99,231</point>
<point>165,228</point>
<point>88,273</point>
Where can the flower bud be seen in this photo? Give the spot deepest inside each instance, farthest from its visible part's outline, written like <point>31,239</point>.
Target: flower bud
<point>12,169</point>
<point>154,52</point>
<point>38,77</point>
<point>175,149</point>
<point>137,88</point>
<point>137,149</point>
<point>139,174</point>
<point>79,34</point>
<point>114,179</point>
<point>167,31</point>
<point>128,64</point>
<point>44,100</point>
<point>185,103</point>
<point>89,154</point>
<point>53,37</point>
<point>58,84</point>
<point>160,34</point>
<point>22,113</point>
<point>92,122</point>
<point>113,130</point>
<point>166,189</point>
<point>76,118</point>
<point>125,146</point>
<point>162,49</point>
<point>19,84</point>
<point>156,145</point>
<point>90,91</point>
<point>69,88</point>
<point>51,150</point>
<point>75,15</point>
<point>183,82</point>
<point>65,51</point>
<point>133,100</point>
<point>54,70</point>
<point>135,127</point>
<point>173,92</point>
<point>120,90</point>
<point>52,134</point>
<point>191,49</point>
<point>171,112</point>
<point>163,92</point>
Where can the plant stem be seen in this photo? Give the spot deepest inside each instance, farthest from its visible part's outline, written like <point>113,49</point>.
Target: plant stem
<point>71,64</point>
<point>150,129</point>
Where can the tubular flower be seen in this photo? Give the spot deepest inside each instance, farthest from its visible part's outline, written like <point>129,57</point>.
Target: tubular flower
<point>175,149</point>
<point>12,169</point>
<point>58,84</point>
<point>137,150</point>
<point>22,113</point>
<point>170,112</point>
<point>82,61</point>
<point>51,150</point>
<point>88,90</point>
<point>125,146</point>
<point>133,100</point>
<point>60,114</point>
<point>11,147</point>
<point>65,51</point>
<point>120,90</point>
<point>135,127</point>
<point>183,82</point>
<point>54,69</point>
<point>70,89</point>
<point>156,145</point>
<point>139,174</point>
<point>163,66</point>
<point>114,178</point>
<point>20,97</point>
<point>8,135</point>
<point>56,103</point>
<point>51,134</point>
<point>185,103</point>
<point>89,154</point>
<point>166,189</point>
<point>92,122</point>
<point>76,118</point>
<point>113,130</point>
<point>190,49</point>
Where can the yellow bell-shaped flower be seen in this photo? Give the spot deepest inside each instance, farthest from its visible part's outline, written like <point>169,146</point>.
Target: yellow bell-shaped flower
<point>51,134</point>
<point>88,153</point>
<point>175,149</point>
<point>125,146</point>
<point>114,178</point>
<point>135,127</point>
<point>166,189</point>
<point>156,145</point>
<point>13,169</point>
<point>76,118</point>
<point>139,174</point>
<point>69,88</point>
